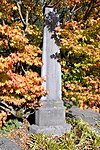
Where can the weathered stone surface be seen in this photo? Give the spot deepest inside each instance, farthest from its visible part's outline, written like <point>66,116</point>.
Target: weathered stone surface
<point>6,144</point>
<point>51,130</point>
<point>50,118</point>
<point>51,69</point>
<point>88,115</point>
<point>52,113</point>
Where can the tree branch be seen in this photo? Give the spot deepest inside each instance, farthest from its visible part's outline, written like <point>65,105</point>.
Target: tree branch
<point>7,108</point>
<point>27,14</point>
<point>97,4</point>
<point>25,22</point>
<point>3,22</point>
<point>20,13</point>
<point>88,12</point>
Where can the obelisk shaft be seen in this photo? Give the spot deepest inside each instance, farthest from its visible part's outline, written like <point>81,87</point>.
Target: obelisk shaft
<point>51,69</point>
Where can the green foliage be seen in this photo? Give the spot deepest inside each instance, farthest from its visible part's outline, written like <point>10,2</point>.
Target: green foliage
<point>10,125</point>
<point>82,137</point>
<point>39,141</point>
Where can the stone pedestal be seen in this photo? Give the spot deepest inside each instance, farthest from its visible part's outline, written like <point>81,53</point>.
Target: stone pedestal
<point>50,118</point>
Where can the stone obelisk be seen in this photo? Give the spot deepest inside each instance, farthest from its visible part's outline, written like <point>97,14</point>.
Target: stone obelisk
<point>50,118</point>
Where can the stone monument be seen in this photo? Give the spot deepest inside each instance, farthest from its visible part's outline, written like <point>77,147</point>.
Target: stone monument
<point>50,118</point>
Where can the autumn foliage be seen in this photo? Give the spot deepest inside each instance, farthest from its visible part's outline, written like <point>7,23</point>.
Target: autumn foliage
<point>80,53</point>
<point>20,58</point>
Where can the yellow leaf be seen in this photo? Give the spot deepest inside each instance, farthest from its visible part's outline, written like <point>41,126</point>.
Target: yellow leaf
<point>18,91</point>
<point>11,91</point>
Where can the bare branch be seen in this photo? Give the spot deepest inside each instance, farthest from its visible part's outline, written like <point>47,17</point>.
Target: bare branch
<point>55,3</point>
<point>89,10</point>
<point>27,14</point>
<point>3,22</point>
<point>20,13</point>
<point>97,4</point>
<point>77,9</point>
<point>7,108</point>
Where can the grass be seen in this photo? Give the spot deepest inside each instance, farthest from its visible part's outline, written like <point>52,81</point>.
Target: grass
<point>81,137</point>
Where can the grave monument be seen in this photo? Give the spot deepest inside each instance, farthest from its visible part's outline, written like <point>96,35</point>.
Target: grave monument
<point>50,118</point>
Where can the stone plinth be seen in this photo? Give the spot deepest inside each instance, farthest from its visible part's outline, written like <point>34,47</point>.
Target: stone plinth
<point>50,119</point>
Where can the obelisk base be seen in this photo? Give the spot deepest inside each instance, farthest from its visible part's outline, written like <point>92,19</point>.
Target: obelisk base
<point>50,119</point>
<point>51,130</point>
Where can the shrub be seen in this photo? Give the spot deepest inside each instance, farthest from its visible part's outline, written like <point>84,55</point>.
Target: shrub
<point>20,60</point>
<point>80,52</point>
<point>81,137</point>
